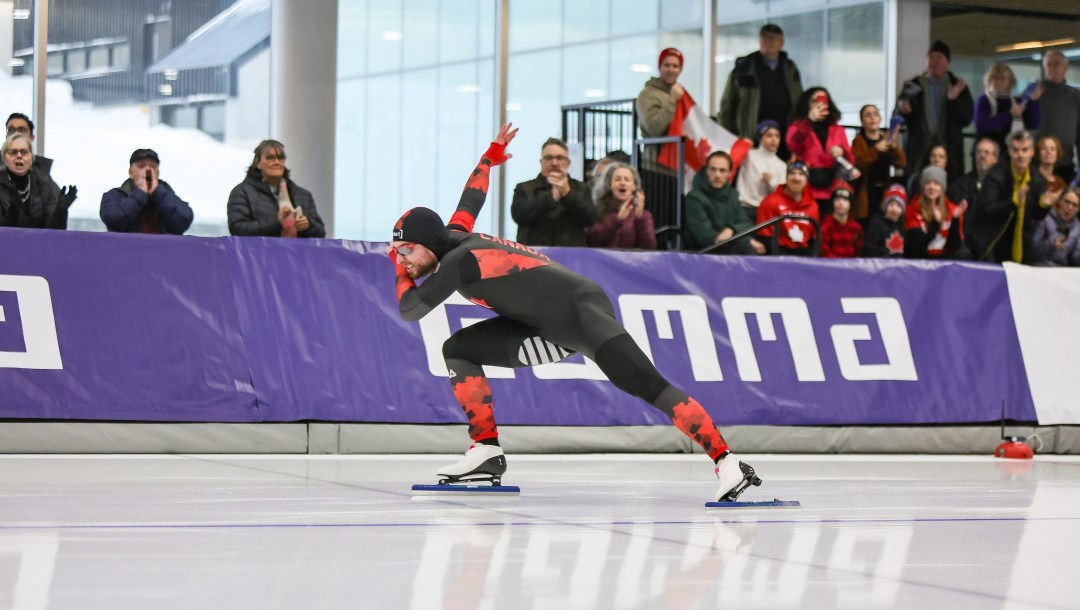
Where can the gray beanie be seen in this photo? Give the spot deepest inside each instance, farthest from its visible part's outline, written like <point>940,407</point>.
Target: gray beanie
<point>936,174</point>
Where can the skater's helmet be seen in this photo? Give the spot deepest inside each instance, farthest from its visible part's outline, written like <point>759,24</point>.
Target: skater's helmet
<point>423,226</point>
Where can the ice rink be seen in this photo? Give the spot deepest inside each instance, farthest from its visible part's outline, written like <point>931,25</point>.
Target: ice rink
<point>608,531</point>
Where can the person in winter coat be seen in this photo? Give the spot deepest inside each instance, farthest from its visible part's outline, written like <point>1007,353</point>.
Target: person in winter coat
<point>933,226</point>
<point>885,234</point>
<point>713,213</point>
<point>841,235</point>
<point>816,137</point>
<point>28,196</point>
<point>268,203</point>
<point>552,209</point>
<point>624,221</point>
<point>1057,238</point>
<point>762,170</point>
<point>875,151</point>
<point>792,197</point>
<point>143,203</point>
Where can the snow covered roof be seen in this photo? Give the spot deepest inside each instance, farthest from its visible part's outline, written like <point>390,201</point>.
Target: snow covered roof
<point>222,40</point>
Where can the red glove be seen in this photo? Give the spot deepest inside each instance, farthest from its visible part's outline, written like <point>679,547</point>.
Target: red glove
<point>496,153</point>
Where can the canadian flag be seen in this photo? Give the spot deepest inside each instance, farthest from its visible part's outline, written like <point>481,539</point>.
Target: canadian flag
<point>703,137</point>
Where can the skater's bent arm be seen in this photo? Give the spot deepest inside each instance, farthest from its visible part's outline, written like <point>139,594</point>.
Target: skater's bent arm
<point>416,301</point>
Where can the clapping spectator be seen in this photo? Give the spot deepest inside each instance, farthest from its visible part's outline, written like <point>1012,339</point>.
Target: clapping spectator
<point>936,105</point>
<point>939,157</point>
<point>1060,106</point>
<point>1057,238</point>
<point>28,196</point>
<point>964,191</point>
<point>624,222</point>
<point>143,203</point>
<point>816,137</point>
<point>998,113</point>
<point>933,227</point>
<point>792,197</point>
<point>875,151</point>
<point>552,209</point>
<point>763,86</point>
<point>713,213</point>
<point>762,170</point>
<point>841,235</point>
<point>269,203</point>
<point>885,235</point>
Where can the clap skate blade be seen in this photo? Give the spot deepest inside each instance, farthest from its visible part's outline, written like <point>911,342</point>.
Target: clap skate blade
<point>774,503</point>
<point>489,471</point>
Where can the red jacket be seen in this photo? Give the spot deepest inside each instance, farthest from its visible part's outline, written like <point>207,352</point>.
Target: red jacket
<point>841,240</point>
<point>793,233</point>
<point>925,237</point>
<point>804,144</point>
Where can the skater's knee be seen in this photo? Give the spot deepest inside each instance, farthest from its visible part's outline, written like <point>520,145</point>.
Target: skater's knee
<point>630,369</point>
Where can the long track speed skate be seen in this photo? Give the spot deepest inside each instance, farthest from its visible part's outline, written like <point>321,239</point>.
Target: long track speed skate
<point>481,464</point>
<point>735,478</point>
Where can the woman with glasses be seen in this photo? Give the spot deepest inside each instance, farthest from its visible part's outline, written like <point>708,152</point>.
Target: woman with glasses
<point>268,203</point>
<point>1057,238</point>
<point>28,196</point>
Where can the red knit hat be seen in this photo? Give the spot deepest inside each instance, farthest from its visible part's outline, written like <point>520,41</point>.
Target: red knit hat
<point>895,192</point>
<point>669,51</point>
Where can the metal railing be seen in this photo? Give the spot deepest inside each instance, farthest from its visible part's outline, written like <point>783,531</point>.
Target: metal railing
<point>815,244</point>
<point>600,127</point>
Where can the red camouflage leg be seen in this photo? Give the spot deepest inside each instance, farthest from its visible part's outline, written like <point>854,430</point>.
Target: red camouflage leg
<point>474,394</point>
<point>694,421</point>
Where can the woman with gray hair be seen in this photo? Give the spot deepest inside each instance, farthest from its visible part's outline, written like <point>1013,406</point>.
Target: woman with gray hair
<point>624,221</point>
<point>28,196</point>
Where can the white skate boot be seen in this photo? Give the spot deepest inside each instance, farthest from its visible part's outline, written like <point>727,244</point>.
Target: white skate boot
<point>481,463</point>
<point>734,476</point>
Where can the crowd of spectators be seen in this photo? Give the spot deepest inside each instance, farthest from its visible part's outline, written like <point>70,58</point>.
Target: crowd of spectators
<point>899,189</point>
<point>895,190</point>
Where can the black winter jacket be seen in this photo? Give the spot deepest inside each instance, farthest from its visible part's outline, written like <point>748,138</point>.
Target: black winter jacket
<point>542,221</point>
<point>253,209</point>
<point>41,211</point>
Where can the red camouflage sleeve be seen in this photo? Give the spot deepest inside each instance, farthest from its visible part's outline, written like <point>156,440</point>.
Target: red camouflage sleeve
<point>472,198</point>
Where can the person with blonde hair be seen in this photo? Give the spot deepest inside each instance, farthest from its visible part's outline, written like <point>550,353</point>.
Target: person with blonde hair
<point>998,113</point>
<point>28,196</point>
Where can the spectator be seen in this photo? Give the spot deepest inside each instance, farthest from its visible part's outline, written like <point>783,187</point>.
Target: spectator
<point>792,197</point>
<point>964,191</point>
<point>816,137</point>
<point>624,221</point>
<point>936,105</point>
<point>18,122</point>
<point>997,112</point>
<point>28,196</point>
<point>885,235</point>
<point>841,235</point>
<point>1060,109</point>
<point>762,170</point>
<point>552,209</point>
<point>763,85</point>
<point>939,157</point>
<point>875,152</point>
<point>269,203</point>
<point>933,227</point>
<point>1057,238</point>
<point>1013,201</point>
<point>596,176</point>
<point>143,203</point>
<point>656,109</point>
<point>1048,151</point>
<point>713,213</point>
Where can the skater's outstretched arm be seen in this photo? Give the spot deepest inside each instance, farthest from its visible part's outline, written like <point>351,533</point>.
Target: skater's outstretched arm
<point>472,198</point>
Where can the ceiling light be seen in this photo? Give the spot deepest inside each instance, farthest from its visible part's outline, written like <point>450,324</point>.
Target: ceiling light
<point>467,89</point>
<point>513,107</point>
<point>640,68</point>
<point>391,35</point>
<point>595,93</point>
<point>1034,44</point>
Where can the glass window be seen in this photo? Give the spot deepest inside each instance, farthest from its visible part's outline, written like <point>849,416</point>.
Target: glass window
<point>633,62</point>
<point>350,159</point>
<point>634,17</point>
<point>383,172</point>
<point>352,39</point>
<point>804,41</point>
<point>535,25</point>
<point>732,42</point>
<point>55,66</point>
<point>421,99</point>
<point>421,35</point>
<point>585,21</point>
<point>533,102</point>
<point>384,35</point>
<point>855,46</point>
<point>680,14</point>
<point>99,58</point>
<point>585,73</point>
<point>121,56</point>
<point>459,30</point>
<point>76,60</point>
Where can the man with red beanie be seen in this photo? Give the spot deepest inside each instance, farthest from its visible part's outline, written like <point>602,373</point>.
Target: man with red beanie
<point>546,313</point>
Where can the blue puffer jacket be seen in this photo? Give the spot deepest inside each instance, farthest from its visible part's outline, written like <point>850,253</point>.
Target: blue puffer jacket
<point>121,207</point>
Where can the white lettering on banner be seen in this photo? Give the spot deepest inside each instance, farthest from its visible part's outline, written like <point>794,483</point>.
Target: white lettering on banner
<point>695,318</point>
<point>38,324</point>
<point>701,346</point>
<point>894,336</point>
<point>800,334</point>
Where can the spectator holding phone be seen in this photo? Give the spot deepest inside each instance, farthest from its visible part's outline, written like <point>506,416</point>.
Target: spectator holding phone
<point>143,203</point>
<point>269,203</point>
<point>624,221</point>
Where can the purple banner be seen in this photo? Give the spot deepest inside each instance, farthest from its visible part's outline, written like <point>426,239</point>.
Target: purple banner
<point>128,327</point>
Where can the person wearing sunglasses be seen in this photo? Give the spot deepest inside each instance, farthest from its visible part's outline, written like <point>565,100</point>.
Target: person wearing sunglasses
<point>268,203</point>
<point>28,196</point>
<point>545,313</point>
